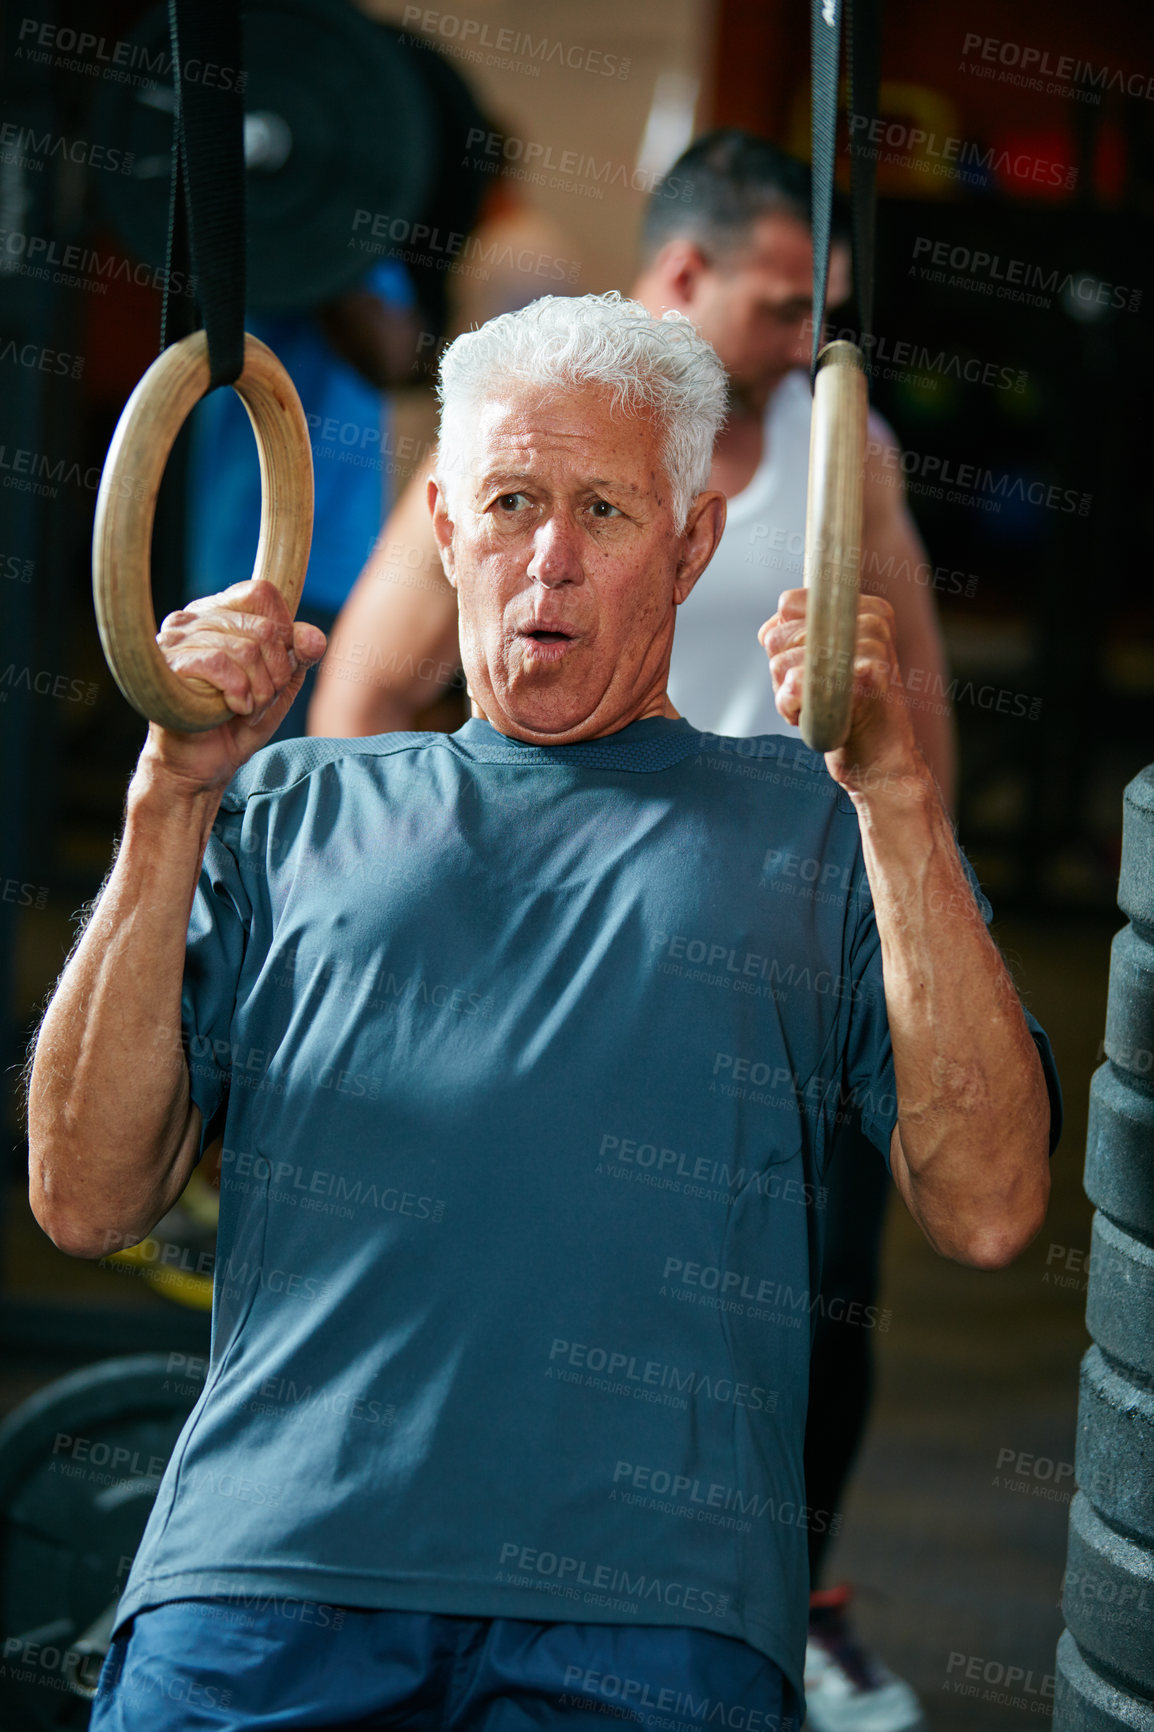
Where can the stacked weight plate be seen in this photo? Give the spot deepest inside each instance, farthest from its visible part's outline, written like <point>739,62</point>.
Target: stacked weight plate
<point>1106,1655</point>
<point>80,1464</point>
<point>355,150</point>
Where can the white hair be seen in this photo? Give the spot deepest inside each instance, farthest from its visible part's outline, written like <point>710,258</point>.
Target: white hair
<point>657,366</point>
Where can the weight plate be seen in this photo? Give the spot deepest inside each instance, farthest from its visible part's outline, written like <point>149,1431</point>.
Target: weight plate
<point>1120,1297</point>
<point>338,120</point>
<point>1108,1598</point>
<point>1114,1460</point>
<point>1119,1174</point>
<point>80,1463</point>
<point>1084,1701</point>
<point>1129,1038</point>
<point>1136,880</point>
<point>458,190</point>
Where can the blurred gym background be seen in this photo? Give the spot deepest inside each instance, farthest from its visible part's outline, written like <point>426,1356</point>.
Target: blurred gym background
<point>1016,180</point>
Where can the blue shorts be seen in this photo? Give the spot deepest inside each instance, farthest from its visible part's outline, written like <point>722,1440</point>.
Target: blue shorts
<point>197,1664</point>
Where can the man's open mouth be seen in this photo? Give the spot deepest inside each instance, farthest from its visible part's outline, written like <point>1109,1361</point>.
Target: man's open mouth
<point>547,641</point>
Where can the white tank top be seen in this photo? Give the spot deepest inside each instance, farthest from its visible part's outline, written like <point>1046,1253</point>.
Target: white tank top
<point>719,676</point>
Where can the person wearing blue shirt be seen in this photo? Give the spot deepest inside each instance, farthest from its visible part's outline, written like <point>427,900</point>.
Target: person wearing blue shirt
<point>529,1068</point>
<point>340,357</point>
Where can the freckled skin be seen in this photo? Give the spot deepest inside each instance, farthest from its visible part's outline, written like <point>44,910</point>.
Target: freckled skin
<point>566,522</point>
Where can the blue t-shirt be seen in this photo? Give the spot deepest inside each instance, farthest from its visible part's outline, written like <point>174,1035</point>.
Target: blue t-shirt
<point>355,469</point>
<point>533,1059</point>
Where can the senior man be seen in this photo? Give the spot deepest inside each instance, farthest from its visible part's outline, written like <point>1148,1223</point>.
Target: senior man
<point>726,241</point>
<point>533,1075</point>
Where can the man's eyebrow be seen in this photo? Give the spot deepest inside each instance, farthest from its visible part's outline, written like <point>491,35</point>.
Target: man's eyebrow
<point>506,477</point>
<point>495,477</point>
<point>615,485</point>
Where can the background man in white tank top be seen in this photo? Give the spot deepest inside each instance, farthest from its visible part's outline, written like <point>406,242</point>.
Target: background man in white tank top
<point>737,259</point>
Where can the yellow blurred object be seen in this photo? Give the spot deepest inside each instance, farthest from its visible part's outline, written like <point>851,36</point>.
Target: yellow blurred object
<point>183,1286</point>
<point>201,1201</point>
<point>175,1259</point>
<point>916,140</point>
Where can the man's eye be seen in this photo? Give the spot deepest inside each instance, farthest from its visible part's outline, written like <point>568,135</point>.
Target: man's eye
<point>602,508</point>
<point>508,501</point>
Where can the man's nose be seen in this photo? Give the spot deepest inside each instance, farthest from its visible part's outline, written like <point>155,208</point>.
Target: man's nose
<point>556,553</point>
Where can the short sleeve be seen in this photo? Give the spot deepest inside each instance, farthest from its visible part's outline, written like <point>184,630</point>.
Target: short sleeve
<point>869,1056</point>
<point>218,930</point>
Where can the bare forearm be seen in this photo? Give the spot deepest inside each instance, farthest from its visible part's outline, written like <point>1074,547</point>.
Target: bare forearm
<point>112,1130</point>
<point>971,1156</point>
<point>936,736</point>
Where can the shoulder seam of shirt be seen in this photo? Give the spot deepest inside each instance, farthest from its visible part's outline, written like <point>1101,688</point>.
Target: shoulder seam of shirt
<point>259,775</point>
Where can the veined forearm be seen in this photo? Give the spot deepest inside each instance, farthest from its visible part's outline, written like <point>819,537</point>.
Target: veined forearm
<point>937,741</point>
<point>112,1131</point>
<point>973,1111</point>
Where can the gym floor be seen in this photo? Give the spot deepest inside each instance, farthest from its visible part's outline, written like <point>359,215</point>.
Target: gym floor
<point>954,1532</point>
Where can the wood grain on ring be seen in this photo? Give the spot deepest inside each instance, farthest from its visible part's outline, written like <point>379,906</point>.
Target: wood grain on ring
<point>126,505</point>
<point>833,526</point>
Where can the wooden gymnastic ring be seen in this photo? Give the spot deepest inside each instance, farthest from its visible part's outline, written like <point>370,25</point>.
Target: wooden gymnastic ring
<point>833,526</point>
<point>126,505</point>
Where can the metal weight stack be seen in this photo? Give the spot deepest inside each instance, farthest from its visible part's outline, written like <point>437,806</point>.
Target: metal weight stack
<point>1105,1671</point>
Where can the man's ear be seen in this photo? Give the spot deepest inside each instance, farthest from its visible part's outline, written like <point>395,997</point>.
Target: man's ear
<point>442,526</point>
<point>679,267</point>
<point>699,539</point>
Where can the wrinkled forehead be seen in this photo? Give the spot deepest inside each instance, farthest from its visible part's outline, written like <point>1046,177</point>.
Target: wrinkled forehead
<point>566,432</point>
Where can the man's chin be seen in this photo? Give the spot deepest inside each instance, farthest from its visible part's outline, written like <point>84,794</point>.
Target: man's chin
<point>752,396</point>
<point>545,716</point>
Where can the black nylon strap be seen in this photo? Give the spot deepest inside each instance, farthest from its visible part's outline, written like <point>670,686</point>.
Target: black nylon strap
<point>825,24</point>
<point>206,208</point>
<point>863,30</point>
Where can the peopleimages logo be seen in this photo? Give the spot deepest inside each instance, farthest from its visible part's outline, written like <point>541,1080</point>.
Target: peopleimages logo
<point>1017,279</point>
<point>744,1294</point>
<point>645,1378</point>
<point>1033,68</point>
<point>510,50</point>
<point>609,1578</point>
<point>712,1501</point>
<point>19,144</point>
<point>453,249</point>
<point>122,62</point>
<point>892,140</point>
<point>538,163</point>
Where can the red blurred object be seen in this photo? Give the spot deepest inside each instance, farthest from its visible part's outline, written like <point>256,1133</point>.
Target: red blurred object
<point>1037,164</point>
<point>122,328</point>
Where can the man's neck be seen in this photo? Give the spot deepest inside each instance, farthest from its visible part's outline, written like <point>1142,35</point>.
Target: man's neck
<point>659,705</point>
<point>738,452</point>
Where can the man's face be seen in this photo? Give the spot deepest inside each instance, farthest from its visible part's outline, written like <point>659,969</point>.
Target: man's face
<point>567,565</point>
<point>755,306</point>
